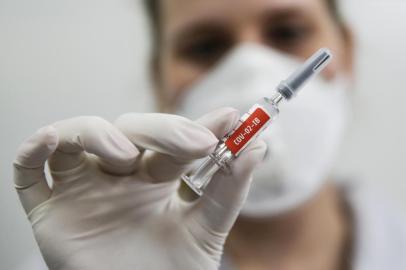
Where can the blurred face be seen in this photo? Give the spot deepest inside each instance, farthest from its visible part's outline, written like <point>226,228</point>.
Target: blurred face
<point>197,34</point>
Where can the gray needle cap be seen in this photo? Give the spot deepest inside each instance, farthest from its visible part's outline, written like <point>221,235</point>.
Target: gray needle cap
<point>310,68</point>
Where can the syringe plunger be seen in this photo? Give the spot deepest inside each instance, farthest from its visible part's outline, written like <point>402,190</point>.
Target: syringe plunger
<point>310,68</point>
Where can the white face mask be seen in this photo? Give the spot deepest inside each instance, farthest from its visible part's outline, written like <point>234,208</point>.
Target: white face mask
<point>302,142</point>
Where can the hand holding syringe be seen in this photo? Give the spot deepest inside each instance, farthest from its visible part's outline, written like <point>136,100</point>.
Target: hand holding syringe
<point>253,122</point>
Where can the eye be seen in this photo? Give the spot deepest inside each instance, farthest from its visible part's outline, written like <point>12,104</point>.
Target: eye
<point>287,36</point>
<point>204,50</point>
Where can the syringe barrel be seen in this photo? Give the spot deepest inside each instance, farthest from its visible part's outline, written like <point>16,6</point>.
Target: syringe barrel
<point>250,126</point>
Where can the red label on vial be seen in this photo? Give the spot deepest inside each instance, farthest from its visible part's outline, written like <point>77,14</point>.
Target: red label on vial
<point>248,129</point>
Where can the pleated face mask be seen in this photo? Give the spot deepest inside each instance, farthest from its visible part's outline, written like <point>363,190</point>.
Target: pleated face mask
<point>302,142</point>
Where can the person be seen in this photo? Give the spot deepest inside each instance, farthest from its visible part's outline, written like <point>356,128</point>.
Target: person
<point>115,201</point>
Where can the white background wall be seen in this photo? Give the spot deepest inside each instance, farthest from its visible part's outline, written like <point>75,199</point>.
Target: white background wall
<point>60,59</point>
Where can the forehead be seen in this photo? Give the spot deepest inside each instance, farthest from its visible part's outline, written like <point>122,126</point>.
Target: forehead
<point>178,13</point>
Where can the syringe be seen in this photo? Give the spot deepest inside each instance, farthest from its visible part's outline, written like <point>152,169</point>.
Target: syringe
<point>252,123</point>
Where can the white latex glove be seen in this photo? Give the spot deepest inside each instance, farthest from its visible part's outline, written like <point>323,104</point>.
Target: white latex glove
<point>114,202</point>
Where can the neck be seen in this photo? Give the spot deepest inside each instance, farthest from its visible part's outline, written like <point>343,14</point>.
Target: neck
<point>312,236</point>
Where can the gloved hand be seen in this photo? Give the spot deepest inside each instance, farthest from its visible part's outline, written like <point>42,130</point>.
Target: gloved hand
<point>114,203</point>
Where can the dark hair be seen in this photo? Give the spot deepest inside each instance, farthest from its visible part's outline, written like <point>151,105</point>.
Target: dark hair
<point>153,12</point>
<point>154,16</point>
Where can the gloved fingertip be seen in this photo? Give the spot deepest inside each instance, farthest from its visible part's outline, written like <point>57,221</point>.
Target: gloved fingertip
<point>35,150</point>
<point>124,151</point>
<point>123,121</point>
<point>220,121</point>
<point>260,147</point>
<point>226,187</point>
<point>48,136</point>
<point>253,155</point>
<point>228,113</point>
<point>195,141</point>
